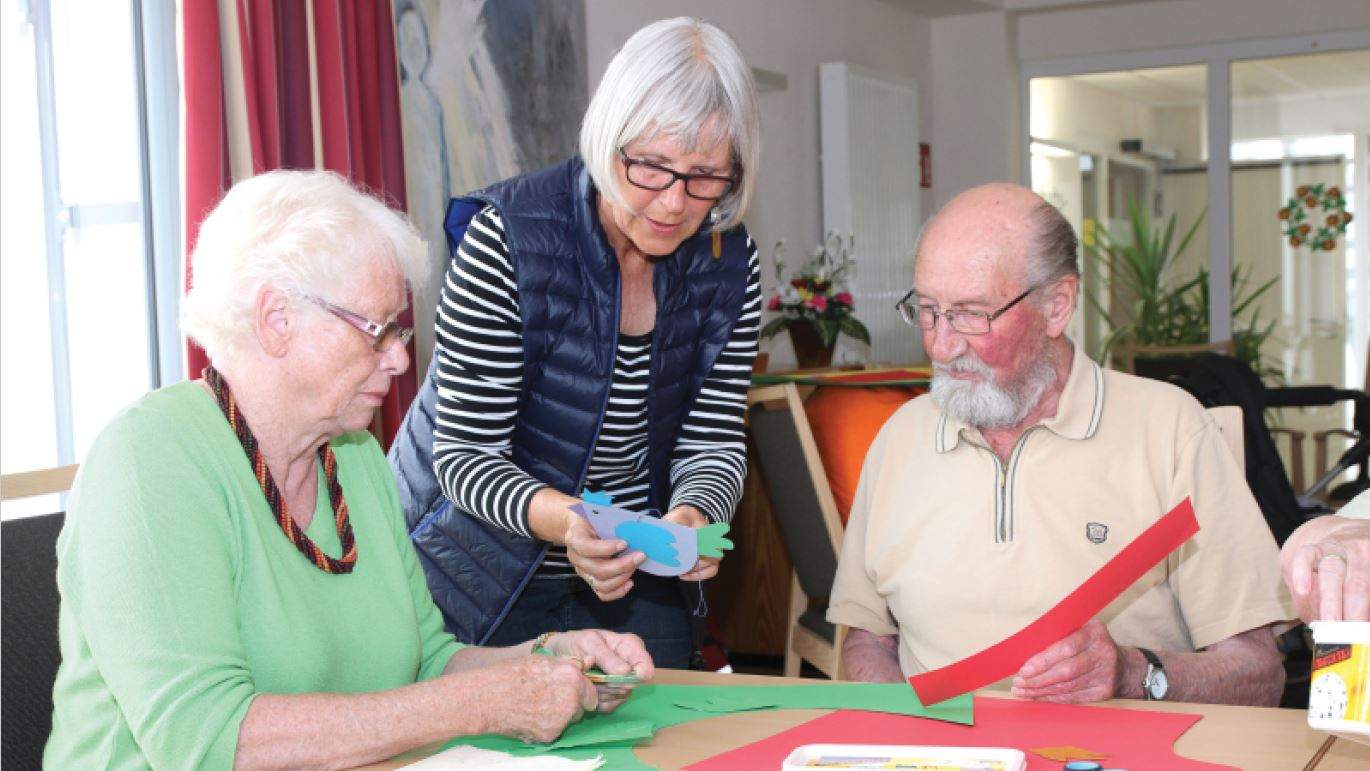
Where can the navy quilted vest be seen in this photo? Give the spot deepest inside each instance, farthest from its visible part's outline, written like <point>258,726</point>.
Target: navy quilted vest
<point>568,282</point>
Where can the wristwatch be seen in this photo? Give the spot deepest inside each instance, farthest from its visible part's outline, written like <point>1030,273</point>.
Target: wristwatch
<point>1155,685</point>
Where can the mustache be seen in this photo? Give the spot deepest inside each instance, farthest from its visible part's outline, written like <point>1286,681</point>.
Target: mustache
<point>967,363</point>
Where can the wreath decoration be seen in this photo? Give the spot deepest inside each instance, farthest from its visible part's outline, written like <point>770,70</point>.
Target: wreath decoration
<point>1315,206</point>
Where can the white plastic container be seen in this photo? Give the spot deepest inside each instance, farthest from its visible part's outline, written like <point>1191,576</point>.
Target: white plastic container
<point>1339,694</point>
<point>905,756</point>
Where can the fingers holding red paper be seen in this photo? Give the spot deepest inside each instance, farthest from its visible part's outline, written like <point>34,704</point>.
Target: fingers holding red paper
<point>1082,667</point>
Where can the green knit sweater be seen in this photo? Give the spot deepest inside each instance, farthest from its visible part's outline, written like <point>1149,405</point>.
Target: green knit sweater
<point>182,599</point>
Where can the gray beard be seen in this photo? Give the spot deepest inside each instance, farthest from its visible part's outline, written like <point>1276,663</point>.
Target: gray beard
<point>987,404</point>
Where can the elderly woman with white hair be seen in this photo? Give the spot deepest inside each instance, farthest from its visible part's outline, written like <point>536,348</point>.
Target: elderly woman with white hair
<point>595,332</point>
<point>237,585</point>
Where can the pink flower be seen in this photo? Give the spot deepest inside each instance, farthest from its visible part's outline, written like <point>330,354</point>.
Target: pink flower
<point>819,303</point>
<point>844,298</point>
<point>774,304</point>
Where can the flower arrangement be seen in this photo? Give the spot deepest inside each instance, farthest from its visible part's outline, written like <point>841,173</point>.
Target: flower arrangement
<point>816,295</point>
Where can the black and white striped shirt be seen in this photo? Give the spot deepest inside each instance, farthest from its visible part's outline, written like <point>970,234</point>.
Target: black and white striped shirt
<point>480,374</point>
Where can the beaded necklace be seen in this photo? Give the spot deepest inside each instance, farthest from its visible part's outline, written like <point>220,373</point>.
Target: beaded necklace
<point>273,495</point>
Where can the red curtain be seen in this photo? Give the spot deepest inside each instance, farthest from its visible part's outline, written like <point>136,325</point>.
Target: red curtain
<point>252,64</point>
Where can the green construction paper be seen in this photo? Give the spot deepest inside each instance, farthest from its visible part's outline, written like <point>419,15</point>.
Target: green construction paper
<point>894,698</point>
<point>605,732</point>
<point>710,541</point>
<point>654,707</point>
<point>728,704</point>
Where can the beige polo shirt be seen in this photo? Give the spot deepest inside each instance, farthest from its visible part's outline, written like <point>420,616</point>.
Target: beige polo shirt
<point>955,550</point>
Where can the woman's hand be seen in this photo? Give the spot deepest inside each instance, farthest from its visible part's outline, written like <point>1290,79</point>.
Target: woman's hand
<point>689,516</point>
<point>534,698</point>
<point>613,653</point>
<point>594,559</point>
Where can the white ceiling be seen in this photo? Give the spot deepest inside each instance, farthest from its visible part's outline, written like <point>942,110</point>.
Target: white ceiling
<point>1326,74</point>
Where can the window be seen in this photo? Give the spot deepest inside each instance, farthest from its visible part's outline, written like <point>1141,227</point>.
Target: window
<point>91,239</point>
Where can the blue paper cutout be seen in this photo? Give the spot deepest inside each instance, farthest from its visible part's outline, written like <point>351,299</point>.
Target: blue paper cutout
<point>650,539</point>
<point>599,499</point>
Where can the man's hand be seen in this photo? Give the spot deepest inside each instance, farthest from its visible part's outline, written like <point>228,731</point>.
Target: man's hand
<point>1326,564</point>
<point>1083,667</point>
<point>594,559</point>
<point>689,516</point>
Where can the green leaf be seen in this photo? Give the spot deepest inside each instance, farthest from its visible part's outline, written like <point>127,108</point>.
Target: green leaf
<point>851,327</point>
<point>774,326</point>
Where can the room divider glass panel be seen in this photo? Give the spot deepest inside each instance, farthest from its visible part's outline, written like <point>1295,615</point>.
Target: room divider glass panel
<point>1106,145</point>
<point>1299,141</point>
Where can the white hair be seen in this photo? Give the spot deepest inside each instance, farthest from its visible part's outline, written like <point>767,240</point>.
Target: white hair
<point>672,78</point>
<point>989,404</point>
<point>305,233</point>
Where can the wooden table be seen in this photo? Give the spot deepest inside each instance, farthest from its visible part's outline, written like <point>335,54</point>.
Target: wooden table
<point>1251,738</point>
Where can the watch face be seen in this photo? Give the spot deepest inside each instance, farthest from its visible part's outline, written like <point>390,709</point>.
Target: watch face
<point>1328,697</point>
<point>1158,684</point>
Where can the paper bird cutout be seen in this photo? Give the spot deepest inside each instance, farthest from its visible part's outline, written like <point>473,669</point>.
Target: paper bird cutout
<point>711,540</point>
<point>671,549</point>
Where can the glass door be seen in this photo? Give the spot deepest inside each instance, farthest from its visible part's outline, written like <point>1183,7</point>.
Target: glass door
<point>1299,138</point>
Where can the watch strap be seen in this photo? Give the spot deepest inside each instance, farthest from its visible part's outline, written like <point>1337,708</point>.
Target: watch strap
<point>1151,658</point>
<point>1153,666</point>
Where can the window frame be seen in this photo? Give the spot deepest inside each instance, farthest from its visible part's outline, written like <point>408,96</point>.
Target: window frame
<point>157,90</point>
<point>1218,59</point>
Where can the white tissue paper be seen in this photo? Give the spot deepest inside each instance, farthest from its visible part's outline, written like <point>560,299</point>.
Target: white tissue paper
<point>475,759</point>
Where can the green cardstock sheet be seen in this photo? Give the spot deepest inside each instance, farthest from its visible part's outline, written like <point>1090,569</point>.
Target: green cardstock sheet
<point>654,707</point>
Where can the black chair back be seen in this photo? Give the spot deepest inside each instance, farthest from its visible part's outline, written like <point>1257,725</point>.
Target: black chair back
<point>28,648</point>
<point>794,496</point>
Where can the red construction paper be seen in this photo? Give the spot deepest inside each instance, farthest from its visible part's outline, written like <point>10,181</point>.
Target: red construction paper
<point>1134,739</point>
<point>1006,657</point>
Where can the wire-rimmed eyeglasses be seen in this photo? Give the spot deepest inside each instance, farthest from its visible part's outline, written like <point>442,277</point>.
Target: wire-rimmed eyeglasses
<point>925,316</point>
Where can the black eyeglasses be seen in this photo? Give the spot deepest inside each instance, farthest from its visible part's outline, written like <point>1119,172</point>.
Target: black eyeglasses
<point>651,176</point>
<point>381,335</point>
<point>966,322</point>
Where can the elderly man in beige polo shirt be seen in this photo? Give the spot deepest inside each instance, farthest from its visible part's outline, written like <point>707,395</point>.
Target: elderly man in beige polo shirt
<point>1026,468</point>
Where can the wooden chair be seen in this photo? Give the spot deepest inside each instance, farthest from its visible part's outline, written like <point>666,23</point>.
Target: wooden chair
<point>807,519</point>
<point>29,652</point>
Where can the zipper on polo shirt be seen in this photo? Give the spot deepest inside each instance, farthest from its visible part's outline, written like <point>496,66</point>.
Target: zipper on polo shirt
<point>1003,488</point>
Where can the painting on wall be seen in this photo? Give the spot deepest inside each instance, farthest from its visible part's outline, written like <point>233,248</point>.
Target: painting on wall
<point>488,89</point>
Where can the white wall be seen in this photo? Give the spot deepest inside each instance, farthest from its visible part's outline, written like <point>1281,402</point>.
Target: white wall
<point>974,103</point>
<point>791,38</point>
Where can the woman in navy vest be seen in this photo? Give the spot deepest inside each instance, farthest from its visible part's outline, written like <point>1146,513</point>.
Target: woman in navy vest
<point>596,332</point>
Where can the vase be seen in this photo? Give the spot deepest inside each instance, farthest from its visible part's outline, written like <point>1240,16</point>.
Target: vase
<point>809,350</point>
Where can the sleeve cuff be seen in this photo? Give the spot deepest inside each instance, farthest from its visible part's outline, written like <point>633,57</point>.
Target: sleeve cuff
<point>860,618</point>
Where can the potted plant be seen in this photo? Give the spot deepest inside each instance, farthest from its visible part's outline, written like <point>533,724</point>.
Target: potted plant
<point>814,304</point>
<point>1152,308</point>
